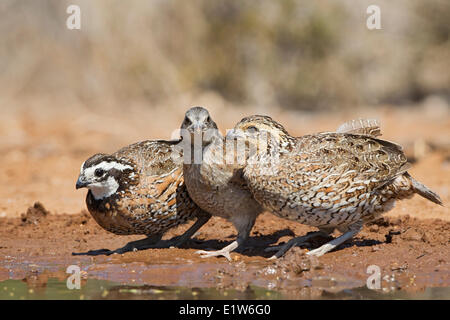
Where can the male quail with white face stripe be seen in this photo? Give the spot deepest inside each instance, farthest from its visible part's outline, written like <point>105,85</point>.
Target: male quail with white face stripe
<point>139,190</point>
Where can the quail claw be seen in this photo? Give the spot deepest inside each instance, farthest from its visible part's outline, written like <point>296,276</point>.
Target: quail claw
<point>218,253</point>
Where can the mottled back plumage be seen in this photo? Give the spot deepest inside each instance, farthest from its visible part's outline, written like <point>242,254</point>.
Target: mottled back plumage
<point>328,180</point>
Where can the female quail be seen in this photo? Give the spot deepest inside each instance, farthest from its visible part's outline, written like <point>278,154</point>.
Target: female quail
<point>214,187</point>
<point>329,180</point>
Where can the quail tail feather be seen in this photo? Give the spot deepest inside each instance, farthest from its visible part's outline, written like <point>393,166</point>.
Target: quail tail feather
<point>424,191</point>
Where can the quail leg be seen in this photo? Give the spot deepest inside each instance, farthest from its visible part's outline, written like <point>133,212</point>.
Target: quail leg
<point>244,225</point>
<point>178,241</point>
<point>351,232</point>
<point>294,242</point>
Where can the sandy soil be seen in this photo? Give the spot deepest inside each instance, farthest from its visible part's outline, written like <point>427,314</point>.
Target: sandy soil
<point>42,151</point>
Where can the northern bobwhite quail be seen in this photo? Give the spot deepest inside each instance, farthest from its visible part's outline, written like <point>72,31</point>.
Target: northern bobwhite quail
<point>214,187</point>
<point>329,180</point>
<point>140,190</point>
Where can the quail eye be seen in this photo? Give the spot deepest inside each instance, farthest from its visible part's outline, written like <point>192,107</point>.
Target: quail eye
<point>252,129</point>
<point>99,172</point>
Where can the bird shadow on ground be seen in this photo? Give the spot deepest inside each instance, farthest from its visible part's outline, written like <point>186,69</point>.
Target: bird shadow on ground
<point>361,243</point>
<point>254,246</point>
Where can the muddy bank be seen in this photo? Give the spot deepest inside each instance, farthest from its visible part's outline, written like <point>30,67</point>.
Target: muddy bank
<point>412,255</point>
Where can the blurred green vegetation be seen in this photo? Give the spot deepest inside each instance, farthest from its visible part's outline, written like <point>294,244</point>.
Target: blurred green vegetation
<point>311,55</point>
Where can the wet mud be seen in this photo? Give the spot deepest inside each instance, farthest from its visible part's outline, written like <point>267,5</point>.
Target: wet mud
<point>411,254</point>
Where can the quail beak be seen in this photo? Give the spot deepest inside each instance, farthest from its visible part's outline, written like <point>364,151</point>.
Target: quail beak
<point>196,132</point>
<point>198,128</point>
<point>81,183</point>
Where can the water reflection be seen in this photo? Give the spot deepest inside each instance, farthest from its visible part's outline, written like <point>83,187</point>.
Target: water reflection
<point>102,289</point>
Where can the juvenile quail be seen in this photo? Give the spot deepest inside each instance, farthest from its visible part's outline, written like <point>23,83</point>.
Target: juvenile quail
<point>214,187</point>
<point>140,190</point>
<point>329,180</point>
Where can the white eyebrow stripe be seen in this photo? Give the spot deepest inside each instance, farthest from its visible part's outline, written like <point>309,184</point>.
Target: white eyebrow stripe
<point>110,165</point>
<point>89,172</point>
